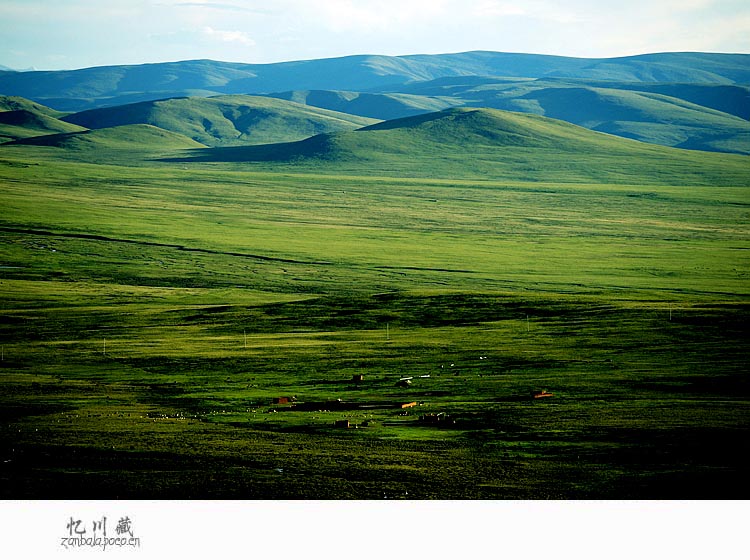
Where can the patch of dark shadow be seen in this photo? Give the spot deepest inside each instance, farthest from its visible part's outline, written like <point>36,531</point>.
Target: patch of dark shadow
<point>10,320</point>
<point>405,310</point>
<point>207,313</point>
<point>302,429</point>
<point>316,147</point>
<point>729,320</point>
<point>647,196</point>
<point>12,412</point>
<point>718,385</point>
<point>94,237</point>
<point>194,408</point>
<point>680,483</point>
<point>497,422</point>
<point>16,163</point>
<point>164,388</point>
<point>342,405</point>
<point>36,388</point>
<point>430,393</point>
<point>216,309</point>
<point>67,472</point>
<point>168,366</point>
<point>520,397</point>
<point>672,445</point>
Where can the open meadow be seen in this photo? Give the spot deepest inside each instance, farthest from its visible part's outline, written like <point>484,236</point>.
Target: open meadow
<point>186,327</point>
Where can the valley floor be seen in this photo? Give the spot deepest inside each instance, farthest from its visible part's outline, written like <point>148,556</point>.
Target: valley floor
<point>202,333</point>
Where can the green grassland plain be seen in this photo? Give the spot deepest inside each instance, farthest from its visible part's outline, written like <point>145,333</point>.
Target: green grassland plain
<point>151,312</point>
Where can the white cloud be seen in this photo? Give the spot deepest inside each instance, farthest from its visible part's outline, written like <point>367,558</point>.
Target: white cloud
<point>542,10</point>
<point>228,36</point>
<point>364,15</point>
<point>493,8</point>
<point>89,32</point>
<point>222,6</point>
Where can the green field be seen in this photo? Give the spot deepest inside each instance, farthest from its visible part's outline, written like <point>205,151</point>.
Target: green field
<point>154,303</point>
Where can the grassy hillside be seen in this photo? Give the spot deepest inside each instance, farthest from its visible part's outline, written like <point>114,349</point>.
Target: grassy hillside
<point>21,118</point>
<point>12,103</point>
<point>358,73</point>
<point>648,117</point>
<point>730,99</point>
<point>687,100</point>
<point>707,117</point>
<point>495,145</point>
<point>225,120</point>
<point>25,124</point>
<point>115,144</point>
<point>152,312</point>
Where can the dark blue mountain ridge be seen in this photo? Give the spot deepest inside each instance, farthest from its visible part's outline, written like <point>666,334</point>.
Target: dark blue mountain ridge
<point>102,86</point>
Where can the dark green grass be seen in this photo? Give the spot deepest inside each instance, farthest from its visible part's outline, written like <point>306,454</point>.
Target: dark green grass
<point>150,314</point>
<point>180,407</point>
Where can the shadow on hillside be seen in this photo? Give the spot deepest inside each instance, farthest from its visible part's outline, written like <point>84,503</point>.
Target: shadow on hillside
<point>314,147</point>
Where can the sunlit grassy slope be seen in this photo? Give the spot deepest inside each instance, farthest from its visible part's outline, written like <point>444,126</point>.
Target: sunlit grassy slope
<point>136,140</point>
<point>13,103</point>
<point>228,120</point>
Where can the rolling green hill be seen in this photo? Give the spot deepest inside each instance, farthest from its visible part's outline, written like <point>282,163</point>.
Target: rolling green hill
<point>14,103</point>
<point>21,118</point>
<point>26,124</point>
<point>702,117</point>
<point>225,120</point>
<point>730,99</point>
<point>135,139</point>
<point>492,144</point>
<point>685,100</point>
<point>694,116</point>
<point>649,117</point>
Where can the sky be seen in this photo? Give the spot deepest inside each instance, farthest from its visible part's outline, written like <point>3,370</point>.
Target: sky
<point>68,34</point>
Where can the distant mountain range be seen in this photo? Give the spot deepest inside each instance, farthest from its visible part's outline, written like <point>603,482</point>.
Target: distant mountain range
<point>688,100</point>
<point>114,85</point>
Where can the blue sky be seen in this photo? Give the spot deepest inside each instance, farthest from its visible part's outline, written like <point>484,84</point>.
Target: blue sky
<point>58,34</point>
